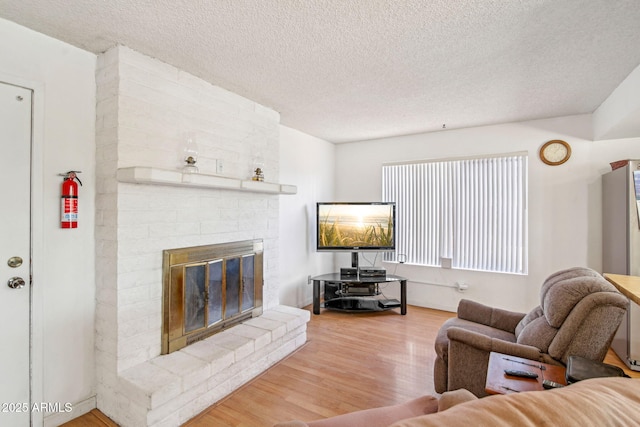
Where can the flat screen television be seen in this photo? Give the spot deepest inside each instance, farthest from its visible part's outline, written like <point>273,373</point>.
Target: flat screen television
<point>356,226</point>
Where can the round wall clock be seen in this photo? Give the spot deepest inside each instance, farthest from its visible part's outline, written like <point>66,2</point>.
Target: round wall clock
<point>555,152</point>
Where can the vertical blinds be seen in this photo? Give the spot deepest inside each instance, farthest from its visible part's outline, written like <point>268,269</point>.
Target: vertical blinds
<point>473,211</point>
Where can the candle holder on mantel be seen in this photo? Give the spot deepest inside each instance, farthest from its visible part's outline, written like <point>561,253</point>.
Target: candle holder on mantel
<point>258,169</point>
<point>259,175</point>
<point>190,154</point>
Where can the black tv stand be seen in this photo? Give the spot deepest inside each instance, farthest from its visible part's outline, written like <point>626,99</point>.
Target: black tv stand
<point>355,260</point>
<point>357,294</point>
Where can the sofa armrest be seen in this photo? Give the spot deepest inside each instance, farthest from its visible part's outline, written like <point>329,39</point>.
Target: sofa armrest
<point>453,398</point>
<point>490,316</point>
<point>487,344</point>
<point>468,358</point>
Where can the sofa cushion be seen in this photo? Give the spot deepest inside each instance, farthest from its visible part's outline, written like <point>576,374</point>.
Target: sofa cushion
<point>598,402</point>
<point>569,273</point>
<point>538,333</point>
<point>530,317</point>
<point>561,298</point>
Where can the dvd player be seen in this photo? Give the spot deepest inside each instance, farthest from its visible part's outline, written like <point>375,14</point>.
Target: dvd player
<point>388,303</point>
<point>349,272</point>
<point>368,272</point>
<point>373,272</point>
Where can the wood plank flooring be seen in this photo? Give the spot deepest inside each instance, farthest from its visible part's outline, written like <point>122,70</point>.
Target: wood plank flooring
<point>350,362</point>
<point>95,418</point>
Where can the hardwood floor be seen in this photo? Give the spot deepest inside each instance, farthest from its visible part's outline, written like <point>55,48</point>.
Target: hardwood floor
<point>350,362</point>
<point>95,418</point>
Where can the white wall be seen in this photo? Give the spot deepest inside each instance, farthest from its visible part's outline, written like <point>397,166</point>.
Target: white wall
<point>619,115</point>
<point>564,202</point>
<point>63,260</point>
<point>308,163</point>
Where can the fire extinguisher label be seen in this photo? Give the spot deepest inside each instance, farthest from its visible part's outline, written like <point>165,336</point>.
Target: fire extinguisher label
<point>69,209</point>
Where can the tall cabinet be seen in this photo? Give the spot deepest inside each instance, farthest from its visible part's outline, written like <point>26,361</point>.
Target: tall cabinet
<point>621,248</point>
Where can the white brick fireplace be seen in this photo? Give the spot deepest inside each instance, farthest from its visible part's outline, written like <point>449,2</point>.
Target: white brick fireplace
<point>144,109</point>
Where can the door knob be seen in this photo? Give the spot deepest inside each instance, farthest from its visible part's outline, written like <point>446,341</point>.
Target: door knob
<point>16,283</point>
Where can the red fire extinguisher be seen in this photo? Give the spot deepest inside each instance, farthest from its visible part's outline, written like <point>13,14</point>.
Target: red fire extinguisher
<point>69,200</point>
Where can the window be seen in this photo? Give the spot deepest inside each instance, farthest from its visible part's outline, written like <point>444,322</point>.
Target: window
<point>469,212</point>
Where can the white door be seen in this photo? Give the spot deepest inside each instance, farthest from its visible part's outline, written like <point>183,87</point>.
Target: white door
<point>15,286</point>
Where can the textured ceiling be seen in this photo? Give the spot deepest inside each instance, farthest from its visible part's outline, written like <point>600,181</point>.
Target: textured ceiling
<point>346,70</point>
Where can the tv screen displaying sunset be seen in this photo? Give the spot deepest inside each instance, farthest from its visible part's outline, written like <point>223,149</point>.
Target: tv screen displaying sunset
<point>353,225</point>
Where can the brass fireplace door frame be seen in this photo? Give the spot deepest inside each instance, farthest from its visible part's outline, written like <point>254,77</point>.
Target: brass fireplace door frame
<point>175,262</point>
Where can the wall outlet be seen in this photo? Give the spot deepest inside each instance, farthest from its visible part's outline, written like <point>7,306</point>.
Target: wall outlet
<point>219,167</point>
<point>445,262</point>
<point>462,286</point>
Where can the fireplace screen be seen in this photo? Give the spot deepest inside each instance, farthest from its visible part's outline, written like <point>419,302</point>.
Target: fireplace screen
<point>209,288</point>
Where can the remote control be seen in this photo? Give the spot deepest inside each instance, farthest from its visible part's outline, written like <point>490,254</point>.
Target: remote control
<point>547,384</point>
<point>523,374</point>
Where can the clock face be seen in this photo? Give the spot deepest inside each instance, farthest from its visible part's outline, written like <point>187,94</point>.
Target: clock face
<point>555,152</point>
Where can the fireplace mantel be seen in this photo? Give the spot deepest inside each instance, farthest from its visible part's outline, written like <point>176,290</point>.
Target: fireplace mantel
<point>156,176</point>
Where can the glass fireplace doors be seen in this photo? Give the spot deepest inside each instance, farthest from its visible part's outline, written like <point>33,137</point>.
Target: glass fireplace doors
<point>205,296</point>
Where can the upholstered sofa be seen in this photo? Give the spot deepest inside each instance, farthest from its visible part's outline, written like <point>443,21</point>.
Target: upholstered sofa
<point>578,315</point>
<point>598,402</point>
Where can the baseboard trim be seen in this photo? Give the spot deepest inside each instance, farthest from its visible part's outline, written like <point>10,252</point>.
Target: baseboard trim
<point>78,409</point>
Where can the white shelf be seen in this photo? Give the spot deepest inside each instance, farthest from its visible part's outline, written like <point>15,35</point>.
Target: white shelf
<point>155,176</point>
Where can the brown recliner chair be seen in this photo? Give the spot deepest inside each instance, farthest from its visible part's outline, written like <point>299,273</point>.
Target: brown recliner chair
<point>579,313</point>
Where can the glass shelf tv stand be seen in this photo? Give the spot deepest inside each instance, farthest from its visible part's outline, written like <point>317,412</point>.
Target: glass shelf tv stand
<point>355,294</point>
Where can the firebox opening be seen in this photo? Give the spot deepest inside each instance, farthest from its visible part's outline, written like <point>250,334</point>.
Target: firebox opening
<point>209,288</point>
